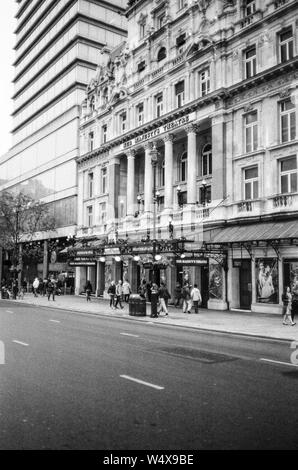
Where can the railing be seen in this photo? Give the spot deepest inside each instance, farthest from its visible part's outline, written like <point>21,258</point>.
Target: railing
<point>177,60</point>
<point>280,3</point>
<point>283,200</point>
<point>245,206</point>
<point>157,72</point>
<point>247,21</point>
<point>139,83</point>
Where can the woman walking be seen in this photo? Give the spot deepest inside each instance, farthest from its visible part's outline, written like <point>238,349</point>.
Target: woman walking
<point>88,289</point>
<point>287,320</point>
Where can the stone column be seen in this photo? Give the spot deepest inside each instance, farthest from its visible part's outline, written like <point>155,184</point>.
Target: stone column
<point>218,159</point>
<point>192,86</point>
<point>114,184</point>
<point>168,140</point>
<point>1,262</point>
<point>253,282</point>
<point>45,259</point>
<point>130,190</point>
<point>192,163</point>
<point>148,180</point>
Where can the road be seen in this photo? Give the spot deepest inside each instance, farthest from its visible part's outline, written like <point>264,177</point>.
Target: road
<point>75,381</point>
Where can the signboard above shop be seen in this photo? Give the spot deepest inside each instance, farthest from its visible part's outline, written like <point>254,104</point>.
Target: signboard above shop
<point>168,127</point>
<point>192,262</point>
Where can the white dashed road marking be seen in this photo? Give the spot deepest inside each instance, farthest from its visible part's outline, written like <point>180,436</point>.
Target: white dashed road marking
<point>278,362</point>
<point>9,311</point>
<point>157,387</point>
<point>55,321</point>
<point>20,342</point>
<point>129,334</point>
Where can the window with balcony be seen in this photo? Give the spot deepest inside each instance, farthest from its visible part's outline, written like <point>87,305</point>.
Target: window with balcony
<point>182,176</point>
<point>204,79</point>
<point>249,7</point>
<point>90,184</point>
<point>250,62</point>
<point>251,183</point>
<point>162,54</point>
<point>286,45</point>
<point>288,175</point>
<point>140,114</point>
<point>287,120</point>
<point>179,93</point>
<point>102,213</point>
<point>159,104</point>
<point>89,216</point>
<point>104,131</point>
<point>90,141</point>
<point>251,132</point>
<point>103,180</point>
<point>123,122</point>
<point>207,160</point>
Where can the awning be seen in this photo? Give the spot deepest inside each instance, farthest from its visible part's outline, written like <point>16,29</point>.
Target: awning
<point>265,231</point>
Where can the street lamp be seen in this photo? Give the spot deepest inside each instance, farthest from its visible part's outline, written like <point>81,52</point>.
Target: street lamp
<point>154,292</point>
<point>139,201</point>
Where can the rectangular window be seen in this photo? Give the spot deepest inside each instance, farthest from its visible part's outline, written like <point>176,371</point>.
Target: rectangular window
<point>179,92</point>
<point>89,216</point>
<point>286,45</point>
<point>161,20</point>
<point>103,180</point>
<point>288,175</point>
<point>250,7</point>
<point>251,183</point>
<point>141,66</point>
<point>123,122</point>
<point>204,82</point>
<point>142,30</point>
<point>251,132</point>
<point>181,40</point>
<point>205,195</point>
<point>140,114</point>
<point>287,120</point>
<point>90,184</point>
<point>159,104</point>
<point>250,62</point>
<point>180,4</point>
<point>104,133</point>
<point>102,213</point>
<point>90,141</point>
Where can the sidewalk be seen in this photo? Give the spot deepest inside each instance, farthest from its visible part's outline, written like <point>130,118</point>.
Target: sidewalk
<point>244,323</point>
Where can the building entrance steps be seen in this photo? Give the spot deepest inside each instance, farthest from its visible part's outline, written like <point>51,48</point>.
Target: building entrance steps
<point>236,322</point>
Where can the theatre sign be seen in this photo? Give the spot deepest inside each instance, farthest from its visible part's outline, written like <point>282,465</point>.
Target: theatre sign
<point>168,127</point>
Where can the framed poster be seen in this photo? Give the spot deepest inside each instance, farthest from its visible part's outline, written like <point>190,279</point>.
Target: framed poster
<point>267,280</point>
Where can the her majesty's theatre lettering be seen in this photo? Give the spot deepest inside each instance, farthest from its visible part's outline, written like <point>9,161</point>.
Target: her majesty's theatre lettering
<point>160,130</point>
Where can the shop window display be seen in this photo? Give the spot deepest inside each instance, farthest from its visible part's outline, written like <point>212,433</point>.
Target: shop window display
<point>267,280</point>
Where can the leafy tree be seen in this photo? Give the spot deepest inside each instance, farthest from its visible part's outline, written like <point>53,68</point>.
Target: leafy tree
<point>20,218</point>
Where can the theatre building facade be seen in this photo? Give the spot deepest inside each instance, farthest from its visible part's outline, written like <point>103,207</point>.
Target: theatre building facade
<point>188,151</point>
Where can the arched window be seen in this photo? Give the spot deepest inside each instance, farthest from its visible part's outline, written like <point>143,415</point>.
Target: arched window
<point>183,167</point>
<point>162,54</point>
<point>105,96</point>
<point>207,160</point>
<point>92,104</point>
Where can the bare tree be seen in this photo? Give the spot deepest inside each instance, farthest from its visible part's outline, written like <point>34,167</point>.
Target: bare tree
<point>21,217</point>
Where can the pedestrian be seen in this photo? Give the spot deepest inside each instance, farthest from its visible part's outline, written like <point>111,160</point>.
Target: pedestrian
<point>149,290</point>
<point>51,289</point>
<point>112,293</point>
<point>163,295</point>
<point>177,294</point>
<point>196,297</point>
<point>88,290</point>
<point>119,292</point>
<point>35,286</point>
<point>126,290</point>
<point>287,320</point>
<point>143,289</point>
<point>14,290</point>
<point>186,298</point>
<point>44,287</point>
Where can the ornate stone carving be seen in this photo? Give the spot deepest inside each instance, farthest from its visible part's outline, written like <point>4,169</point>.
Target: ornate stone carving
<point>191,128</point>
<point>169,138</point>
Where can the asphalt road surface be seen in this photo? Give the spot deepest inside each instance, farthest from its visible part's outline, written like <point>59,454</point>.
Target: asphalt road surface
<point>75,381</point>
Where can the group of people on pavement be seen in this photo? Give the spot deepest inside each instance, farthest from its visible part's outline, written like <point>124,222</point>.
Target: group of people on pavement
<point>48,287</point>
<point>118,293</point>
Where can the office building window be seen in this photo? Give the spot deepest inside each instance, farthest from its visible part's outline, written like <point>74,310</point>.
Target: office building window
<point>90,184</point>
<point>103,180</point>
<point>287,120</point>
<point>251,183</point>
<point>250,62</point>
<point>183,167</point>
<point>89,216</point>
<point>123,122</point>
<point>159,104</point>
<point>249,7</point>
<point>288,175</point>
<point>162,54</point>
<point>251,131</point>
<point>102,213</point>
<point>204,77</point>
<point>90,141</point>
<point>207,160</point>
<point>104,130</point>
<point>286,45</point>
<point>140,114</point>
<point>179,93</point>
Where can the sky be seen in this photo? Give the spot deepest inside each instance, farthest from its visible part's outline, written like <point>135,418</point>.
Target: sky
<point>7,41</point>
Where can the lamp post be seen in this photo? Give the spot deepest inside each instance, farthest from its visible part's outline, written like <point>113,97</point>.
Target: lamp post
<point>154,293</point>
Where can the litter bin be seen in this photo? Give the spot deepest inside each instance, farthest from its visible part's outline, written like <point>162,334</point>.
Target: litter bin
<point>137,306</point>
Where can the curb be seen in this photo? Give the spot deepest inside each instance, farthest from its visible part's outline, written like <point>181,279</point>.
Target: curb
<point>128,317</point>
